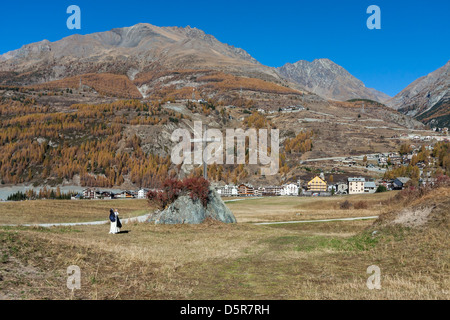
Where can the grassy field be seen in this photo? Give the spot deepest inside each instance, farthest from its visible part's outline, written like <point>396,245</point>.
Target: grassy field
<point>241,261</point>
<point>247,210</point>
<point>53,211</point>
<point>305,208</point>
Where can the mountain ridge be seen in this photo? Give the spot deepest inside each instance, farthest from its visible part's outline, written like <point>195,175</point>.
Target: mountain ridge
<point>330,80</point>
<point>427,98</point>
<point>146,48</point>
<point>143,47</point>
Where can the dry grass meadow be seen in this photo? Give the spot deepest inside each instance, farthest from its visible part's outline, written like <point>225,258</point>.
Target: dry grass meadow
<point>47,211</point>
<point>217,261</point>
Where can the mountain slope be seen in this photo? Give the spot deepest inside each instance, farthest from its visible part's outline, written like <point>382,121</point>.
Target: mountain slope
<point>127,51</point>
<point>427,98</point>
<point>329,80</point>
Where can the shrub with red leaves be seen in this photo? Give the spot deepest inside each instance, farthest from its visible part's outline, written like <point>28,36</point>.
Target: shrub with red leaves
<point>158,199</point>
<point>443,181</point>
<point>172,188</point>
<point>411,193</point>
<point>197,188</point>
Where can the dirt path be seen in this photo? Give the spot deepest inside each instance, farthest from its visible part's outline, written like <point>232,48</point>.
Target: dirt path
<point>93,223</point>
<point>145,217</point>
<point>315,221</point>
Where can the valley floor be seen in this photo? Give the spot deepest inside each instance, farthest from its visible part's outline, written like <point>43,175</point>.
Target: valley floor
<point>241,261</point>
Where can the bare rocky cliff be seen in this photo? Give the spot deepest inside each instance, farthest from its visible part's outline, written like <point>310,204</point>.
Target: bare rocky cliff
<point>329,80</point>
<point>427,98</point>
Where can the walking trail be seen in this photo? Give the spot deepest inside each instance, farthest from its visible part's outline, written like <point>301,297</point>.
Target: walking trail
<point>315,221</point>
<point>93,223</point>
<point>144,218</point>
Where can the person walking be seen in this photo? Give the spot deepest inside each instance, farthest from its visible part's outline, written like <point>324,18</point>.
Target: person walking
<point>119,224</point>
<point>114,220</point>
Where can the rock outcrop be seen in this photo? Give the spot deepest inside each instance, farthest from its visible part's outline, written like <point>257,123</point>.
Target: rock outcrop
<point>427,99</point>
<point>187,211</point>
<point>329,80</point>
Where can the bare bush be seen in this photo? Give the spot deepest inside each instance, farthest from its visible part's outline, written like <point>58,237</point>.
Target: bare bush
<point>361,205</point>
<point>346,205</point>
<point>412,193</point>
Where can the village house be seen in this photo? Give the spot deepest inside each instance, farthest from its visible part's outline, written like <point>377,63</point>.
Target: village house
<point>120,195</point>
<point>269,191</point>
<point>393,154</point>
<point>370,187</point>
<point>356,185</point>
<point>106,195</point>
<point>142,193</point>
<point>290,190</point>
<point>91,193</point>
<point>428,181</point>
<point>273,190</point>
<point>400,182</point>
<point>421,165</point>
<point>76,197</point>
<point>292,109</point>
<point>382,161</point>
<point>126,195</point>
<point>396,160</point>
<point>228,191</point>
<point>385,183</point>
<point>246,190</point>
<point>258,192</point>
<point>317,185</point>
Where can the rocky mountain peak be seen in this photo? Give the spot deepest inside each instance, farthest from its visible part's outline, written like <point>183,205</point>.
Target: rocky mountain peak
<point>427,98</point>
<point>139,47</point>
<point>329,80</point>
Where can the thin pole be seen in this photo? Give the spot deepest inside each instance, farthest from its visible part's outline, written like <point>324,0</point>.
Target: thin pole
<point>205,165</point>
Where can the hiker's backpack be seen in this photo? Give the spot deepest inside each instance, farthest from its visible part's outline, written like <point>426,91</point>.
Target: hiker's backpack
<point>112,217</point>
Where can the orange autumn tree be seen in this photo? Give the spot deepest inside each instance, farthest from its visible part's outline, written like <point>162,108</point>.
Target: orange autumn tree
<point>38,143</point>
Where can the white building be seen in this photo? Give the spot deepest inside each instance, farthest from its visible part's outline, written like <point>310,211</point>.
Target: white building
<point>91,193</point>
<point>382,161</point>
<point>228,191</point>
<point>271,191</point>
<point>356,185</point>
<point>142,194</point>
<point>290,190</point>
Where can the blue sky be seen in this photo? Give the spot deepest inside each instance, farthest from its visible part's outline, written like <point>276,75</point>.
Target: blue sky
<point>414,39</point>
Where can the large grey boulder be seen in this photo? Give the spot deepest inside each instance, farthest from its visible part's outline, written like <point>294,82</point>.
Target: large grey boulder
<point>187,211</point>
